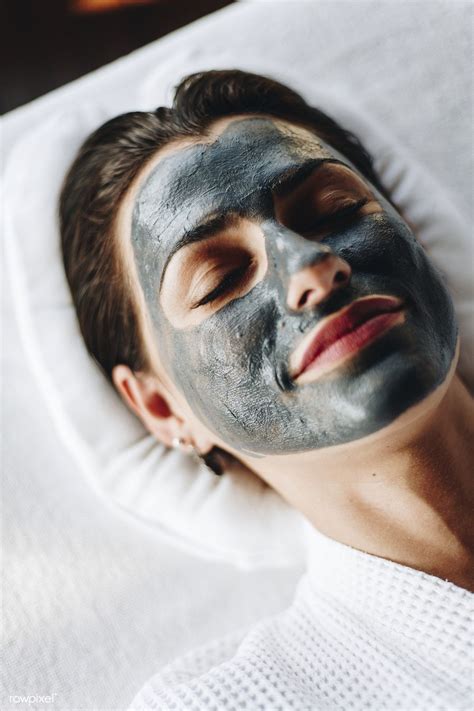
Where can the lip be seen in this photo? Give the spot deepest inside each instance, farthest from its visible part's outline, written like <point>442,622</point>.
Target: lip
<point>343,334</point>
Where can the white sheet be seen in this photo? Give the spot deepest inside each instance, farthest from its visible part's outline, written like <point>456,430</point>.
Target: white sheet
<point>94,602</point>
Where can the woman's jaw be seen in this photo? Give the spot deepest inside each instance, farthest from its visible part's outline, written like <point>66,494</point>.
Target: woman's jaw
<point>361,455</point>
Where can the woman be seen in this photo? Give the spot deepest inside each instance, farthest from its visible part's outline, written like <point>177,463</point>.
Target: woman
<point>243,279</point>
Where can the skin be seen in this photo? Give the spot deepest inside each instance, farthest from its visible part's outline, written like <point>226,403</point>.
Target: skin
<point>408,493</point>
<point>230,357</point>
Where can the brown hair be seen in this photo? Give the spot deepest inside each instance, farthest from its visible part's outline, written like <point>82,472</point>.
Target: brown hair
<point>104,169</point>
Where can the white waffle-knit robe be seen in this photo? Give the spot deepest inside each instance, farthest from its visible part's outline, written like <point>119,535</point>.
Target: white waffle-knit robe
<point>361,633</point>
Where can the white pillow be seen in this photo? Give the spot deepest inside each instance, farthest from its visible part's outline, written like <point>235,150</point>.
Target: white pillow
<point>236,517</point>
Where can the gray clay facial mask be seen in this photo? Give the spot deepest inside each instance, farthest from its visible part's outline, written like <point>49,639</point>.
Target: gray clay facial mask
<point>223,327</point>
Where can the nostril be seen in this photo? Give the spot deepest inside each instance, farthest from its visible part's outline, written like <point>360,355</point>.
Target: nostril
<point>304,298</point>
<point>320,278</point>
<point>339,277</point>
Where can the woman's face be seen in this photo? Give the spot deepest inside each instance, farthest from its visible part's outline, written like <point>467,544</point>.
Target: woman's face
<point>291,304</point>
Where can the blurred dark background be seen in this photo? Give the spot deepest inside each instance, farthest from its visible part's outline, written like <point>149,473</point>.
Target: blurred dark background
<point>47,43</point>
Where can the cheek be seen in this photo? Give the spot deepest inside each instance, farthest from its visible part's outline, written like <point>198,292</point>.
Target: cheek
<point>381,245</point>
<point>234,349</point>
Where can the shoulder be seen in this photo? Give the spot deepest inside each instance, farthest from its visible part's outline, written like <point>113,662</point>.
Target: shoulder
<point>246,668</point>
<point>176,680</point>
<point>243,670</point>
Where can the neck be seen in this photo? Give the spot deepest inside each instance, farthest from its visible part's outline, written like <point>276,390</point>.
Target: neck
<point>405,494</point>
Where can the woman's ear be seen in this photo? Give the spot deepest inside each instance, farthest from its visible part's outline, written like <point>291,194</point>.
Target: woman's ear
<point>148,399</point>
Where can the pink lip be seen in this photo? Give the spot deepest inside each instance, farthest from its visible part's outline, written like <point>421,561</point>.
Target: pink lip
<point>345,333</point>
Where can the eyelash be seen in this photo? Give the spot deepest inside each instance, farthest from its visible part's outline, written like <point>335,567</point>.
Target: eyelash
<point>336,217</point>
<point>227,282</point>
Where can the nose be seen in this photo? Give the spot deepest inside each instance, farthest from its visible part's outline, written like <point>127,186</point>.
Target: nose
<point>316,280</point>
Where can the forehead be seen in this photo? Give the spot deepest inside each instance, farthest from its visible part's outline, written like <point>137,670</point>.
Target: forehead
<point>230,170</point>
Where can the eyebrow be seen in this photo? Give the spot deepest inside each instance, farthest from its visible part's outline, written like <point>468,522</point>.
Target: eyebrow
<point>293,177</point>
<point>205,229</point>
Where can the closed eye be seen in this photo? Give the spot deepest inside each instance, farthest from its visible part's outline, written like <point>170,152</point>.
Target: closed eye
<point>211,273</point>
<point>335,219</point>
<point>230,281</point>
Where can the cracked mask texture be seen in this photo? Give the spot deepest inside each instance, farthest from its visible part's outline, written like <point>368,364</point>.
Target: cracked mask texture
<point>232,367</point>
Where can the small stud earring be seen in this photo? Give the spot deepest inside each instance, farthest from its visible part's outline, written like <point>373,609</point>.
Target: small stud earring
<point>210,459</point>
<point>180,443</point>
